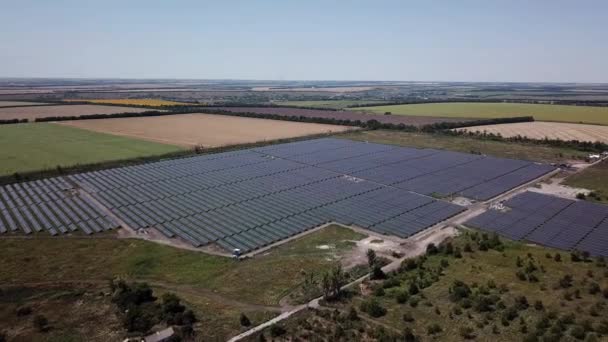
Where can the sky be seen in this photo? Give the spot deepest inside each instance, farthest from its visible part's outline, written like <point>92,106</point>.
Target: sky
<point>430,40</point>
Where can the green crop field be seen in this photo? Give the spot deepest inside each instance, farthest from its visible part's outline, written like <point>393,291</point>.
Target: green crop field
<point>31,147</point>
<point>331,104</point>
<point>541,112</point>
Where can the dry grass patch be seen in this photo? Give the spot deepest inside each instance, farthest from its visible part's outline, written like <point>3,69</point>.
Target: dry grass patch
<point>550,130</point>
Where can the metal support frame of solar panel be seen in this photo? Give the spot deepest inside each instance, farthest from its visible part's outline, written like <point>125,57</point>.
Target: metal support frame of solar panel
<point>550,221</point>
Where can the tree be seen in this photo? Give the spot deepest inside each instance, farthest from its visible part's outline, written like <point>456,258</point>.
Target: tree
<point>244,320</point>
<point>352,314</point>
<point>377,273</point>
<point>413,289</point>
<point>431,249</point>
<point>371,258</point>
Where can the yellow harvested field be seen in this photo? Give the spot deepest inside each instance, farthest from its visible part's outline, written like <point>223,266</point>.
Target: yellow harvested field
<point>35,112</point>
<point>551,130</point>
<point>20,103</point>
<point>206,130</point>
<point>135,102</point>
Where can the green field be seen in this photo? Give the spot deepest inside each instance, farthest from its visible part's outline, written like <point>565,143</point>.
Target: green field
<point>37,146</point>
<point>331,104</point>
<point>594,178</point>
<point>541,112</point>
<point>465,144</point>
<point>504,300</point>
<point>218,288</point>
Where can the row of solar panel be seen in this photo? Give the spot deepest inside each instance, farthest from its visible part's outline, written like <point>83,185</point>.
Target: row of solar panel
<point>23,194</point>
<point>550,221</point>
<point>224,215</point>
<point>58,216</point>
<point>424,171</point>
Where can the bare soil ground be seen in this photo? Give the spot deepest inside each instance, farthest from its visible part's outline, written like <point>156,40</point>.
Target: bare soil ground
<point>551,130</point>
<point>204,129</point>
<point>19,103</point>
<point>67,110</point>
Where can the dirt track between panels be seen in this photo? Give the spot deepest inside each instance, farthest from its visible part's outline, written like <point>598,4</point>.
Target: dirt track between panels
<point>208,130</point>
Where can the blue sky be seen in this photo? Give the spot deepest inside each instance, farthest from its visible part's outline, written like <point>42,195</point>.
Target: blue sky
<point>465,40</point>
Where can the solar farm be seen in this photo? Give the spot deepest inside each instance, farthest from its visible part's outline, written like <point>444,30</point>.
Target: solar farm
<point>252,198</point>
<point>550,221</point>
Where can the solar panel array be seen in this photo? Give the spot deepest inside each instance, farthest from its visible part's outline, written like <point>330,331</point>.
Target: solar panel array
<point>251,198</point>
<point>425,171</point>
<point>48,205</point>
<point>550,221</point>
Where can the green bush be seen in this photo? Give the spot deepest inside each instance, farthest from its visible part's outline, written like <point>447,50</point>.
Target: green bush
<point>373,308</point>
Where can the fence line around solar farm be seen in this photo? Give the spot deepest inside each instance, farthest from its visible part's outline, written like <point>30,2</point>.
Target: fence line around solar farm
<point>550,221</point>
<point>252,198</point>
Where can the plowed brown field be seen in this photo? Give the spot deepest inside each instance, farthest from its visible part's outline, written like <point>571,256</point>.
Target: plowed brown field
<point>206,130</point>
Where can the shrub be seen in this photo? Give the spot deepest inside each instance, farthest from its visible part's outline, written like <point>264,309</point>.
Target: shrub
<point>431,249</point>
<point>594,288</point>
<point>377,273</point>
<point>413,288</point>
<point>277,330</point>
<point>467,333</point>
<point>538,305</point>
<point>24,311</point>
<point>408,335</point>
<point>352,314</point>
<point>407,317</point>
<point>578,332</point>
<point>467,248</point>
<point>558,257</point>
<point>434,329</point>
<point>414,301</point>
<point>402,297</point>
<point>245,322</point>
<point>373,308</point>
<point>459,290</point>
<point>566,281</point>
<point>41,323</point>
<point>379,291</point>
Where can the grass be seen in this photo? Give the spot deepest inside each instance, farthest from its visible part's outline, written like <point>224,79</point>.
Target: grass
<point>135,102</point>
<point>268,276</point>
<point>594,178</point>
<point>218,288</point>
<point>331,104</point>
<point>37,146</point>
<point>469,145</point>
<point>487,273</point>
<point>541,112</point>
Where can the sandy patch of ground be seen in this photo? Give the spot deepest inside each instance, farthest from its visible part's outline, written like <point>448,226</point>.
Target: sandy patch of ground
<point>554,187</point>
<point>551,130</point>
<point>207,130</point>
<point>19,103</point>
<point>35,112</point>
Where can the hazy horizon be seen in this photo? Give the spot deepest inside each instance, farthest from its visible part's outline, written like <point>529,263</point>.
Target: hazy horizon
<point>394,41</point>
